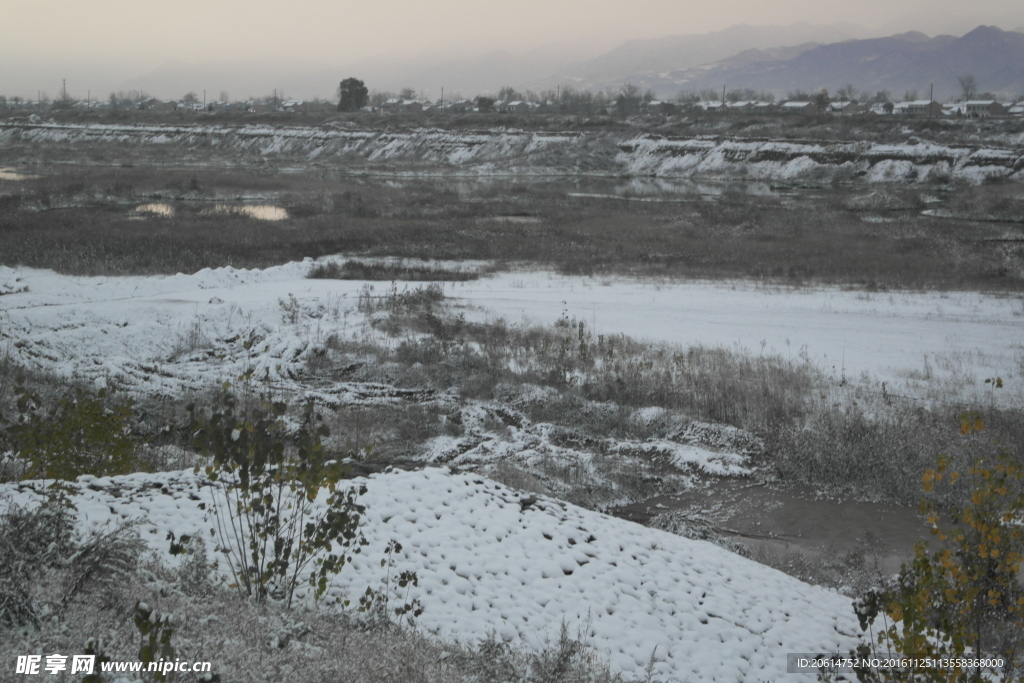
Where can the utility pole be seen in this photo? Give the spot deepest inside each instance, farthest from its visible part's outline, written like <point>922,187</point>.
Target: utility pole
<point>204,98</point>
<point>63,90</point>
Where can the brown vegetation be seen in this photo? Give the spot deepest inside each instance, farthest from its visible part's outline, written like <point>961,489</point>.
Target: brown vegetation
<point>860,237</point>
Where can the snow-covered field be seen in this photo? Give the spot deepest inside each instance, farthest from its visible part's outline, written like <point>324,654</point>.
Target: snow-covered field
<point>489,563</point>
<point>485,560</point>
<point>166,333</point>
<point>902,338</point>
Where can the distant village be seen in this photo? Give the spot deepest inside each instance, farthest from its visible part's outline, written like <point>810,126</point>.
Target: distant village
<point>628,102</point>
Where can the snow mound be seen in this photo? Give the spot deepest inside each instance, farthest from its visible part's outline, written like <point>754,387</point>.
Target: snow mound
<point>492,560</point>
<point>10,282</point>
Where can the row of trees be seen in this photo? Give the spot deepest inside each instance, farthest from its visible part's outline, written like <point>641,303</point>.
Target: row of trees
<point>353,94</point>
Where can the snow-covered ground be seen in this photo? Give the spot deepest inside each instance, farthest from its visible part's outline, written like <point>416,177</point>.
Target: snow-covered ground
<point>902,338</point>
<point>502,150</point>
<point>165,333</point>
<point>490,561</point>
<point>486,561</point>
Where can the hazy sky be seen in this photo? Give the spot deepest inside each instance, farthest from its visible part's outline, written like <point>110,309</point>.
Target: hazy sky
<point>126,38</point>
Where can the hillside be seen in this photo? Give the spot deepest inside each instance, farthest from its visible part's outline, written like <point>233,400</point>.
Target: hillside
<point>908,61</point>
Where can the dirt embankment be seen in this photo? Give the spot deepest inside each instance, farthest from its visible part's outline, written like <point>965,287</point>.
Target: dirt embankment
<point>510,151</point>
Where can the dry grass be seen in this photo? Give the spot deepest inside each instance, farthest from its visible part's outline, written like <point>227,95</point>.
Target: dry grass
<point>363,270</point>
<point>82,224</point>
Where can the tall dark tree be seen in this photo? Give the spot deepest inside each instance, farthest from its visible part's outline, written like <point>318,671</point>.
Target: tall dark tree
<point>352,95</point>
<point>629,100</point>
<point>821,102</point>
<point>968,87</point>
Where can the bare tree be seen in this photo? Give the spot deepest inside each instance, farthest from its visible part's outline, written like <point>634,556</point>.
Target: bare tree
<point>968,86</point>
<point>509,94</point>
<point>741,95</point>
<point>847,93</point>
<point>379,97</point>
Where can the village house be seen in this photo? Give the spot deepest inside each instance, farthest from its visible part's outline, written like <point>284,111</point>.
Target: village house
<point>517,107</point>
<point>153,104</point>
<point>922,108</point>
<point>983,108</point>
<point>845,108</point>
<point>713,105</point>
<point>805,108</point>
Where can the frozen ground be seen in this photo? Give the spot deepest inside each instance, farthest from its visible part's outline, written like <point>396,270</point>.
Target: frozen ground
<point>489,559</point>
<point>163,334</point>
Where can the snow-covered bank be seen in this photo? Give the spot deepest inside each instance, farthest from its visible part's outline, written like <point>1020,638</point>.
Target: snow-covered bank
<point>787,161</point>
<point>505,151</point>
<point>902,338</point>
<point>166,333</point>
<point>489,560</point>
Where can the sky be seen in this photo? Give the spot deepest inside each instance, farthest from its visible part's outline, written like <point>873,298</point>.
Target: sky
<point>105,42</point>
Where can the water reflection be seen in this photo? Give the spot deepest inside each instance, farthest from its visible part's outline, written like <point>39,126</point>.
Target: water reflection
<point>262,212</point>
<point>11,174</point>
<point>510,218</point>
<point>158,209</point>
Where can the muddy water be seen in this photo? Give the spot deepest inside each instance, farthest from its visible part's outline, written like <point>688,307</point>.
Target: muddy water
<point>262,212</point>
<point>11,174</point>
<point>768,519</point>
<point>157,209</point>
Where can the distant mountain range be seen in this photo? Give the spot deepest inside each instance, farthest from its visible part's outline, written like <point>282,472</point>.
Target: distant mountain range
<point>764,58</point>
<point>638,60</point>
<point>908,61</point>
